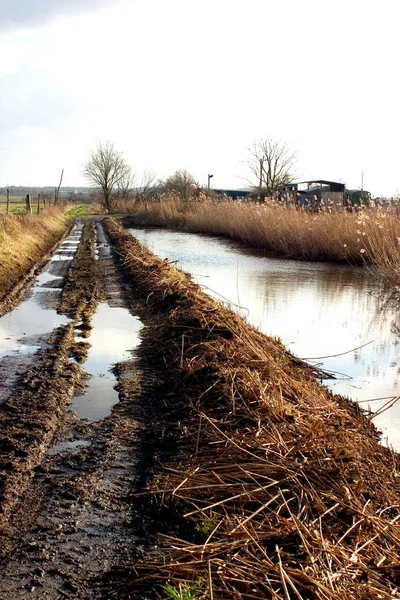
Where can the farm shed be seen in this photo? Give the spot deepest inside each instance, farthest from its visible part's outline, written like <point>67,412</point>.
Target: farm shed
<point>313,193</point>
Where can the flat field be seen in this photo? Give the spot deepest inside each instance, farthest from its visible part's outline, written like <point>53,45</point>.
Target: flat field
<point>17,204</point>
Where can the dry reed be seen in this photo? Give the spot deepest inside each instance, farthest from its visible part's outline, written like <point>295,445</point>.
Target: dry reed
<point>287,490</point>
<point>371,236</point>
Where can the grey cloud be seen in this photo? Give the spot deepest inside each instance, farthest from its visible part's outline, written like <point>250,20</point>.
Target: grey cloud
<point>18,14</point>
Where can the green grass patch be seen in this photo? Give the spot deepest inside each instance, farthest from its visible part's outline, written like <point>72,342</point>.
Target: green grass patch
<point>15,208</point>
<point>3,198</point>
<point>183,591</point>
<point>82,210</point>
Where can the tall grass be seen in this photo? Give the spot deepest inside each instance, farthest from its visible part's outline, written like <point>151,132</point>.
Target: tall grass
<point>25,240</point>
<point>371,236</point>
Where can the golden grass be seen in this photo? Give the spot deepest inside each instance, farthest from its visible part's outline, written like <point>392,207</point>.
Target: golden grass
<point>370,236</point>
<point>24,241</point>
<point>284,486</point>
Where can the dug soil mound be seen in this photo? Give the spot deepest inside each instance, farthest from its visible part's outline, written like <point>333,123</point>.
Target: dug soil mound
<point>273,486</point>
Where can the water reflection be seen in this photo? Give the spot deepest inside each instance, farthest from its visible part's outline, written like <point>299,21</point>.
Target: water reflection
<point>23,329</point>
<point>317,309</point>
<point>114,335</point>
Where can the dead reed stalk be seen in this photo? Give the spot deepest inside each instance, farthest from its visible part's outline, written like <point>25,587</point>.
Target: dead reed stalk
<point>371,236</point>
<point>284,487</point>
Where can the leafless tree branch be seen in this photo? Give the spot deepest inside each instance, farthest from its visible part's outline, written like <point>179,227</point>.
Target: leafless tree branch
<point>107,170</point>
<point>272,164</point>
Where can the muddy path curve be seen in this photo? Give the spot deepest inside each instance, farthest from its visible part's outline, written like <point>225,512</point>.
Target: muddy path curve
<point>68,449</point>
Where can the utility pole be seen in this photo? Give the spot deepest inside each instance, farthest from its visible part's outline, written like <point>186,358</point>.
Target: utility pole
<point>209,177</point>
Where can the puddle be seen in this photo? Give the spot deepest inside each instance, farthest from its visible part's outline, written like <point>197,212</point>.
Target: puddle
<point>23,329</point>
<point>69,445</point>
<point>68,248</point>
<point>114,336</point>
<point>46,281</point>
<point>29,320</point>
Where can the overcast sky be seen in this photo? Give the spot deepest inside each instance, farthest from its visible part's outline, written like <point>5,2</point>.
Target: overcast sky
<point>193,83</point>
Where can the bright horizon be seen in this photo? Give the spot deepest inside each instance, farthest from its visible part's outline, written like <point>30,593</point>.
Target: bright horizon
<point>181,84</point>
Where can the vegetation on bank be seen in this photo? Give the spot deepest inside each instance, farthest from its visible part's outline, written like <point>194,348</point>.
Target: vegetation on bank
<point>86,209</point>
<point>371,236</point>
<point>25,240</point>
<point>268,486</point>
<point>16,208</point>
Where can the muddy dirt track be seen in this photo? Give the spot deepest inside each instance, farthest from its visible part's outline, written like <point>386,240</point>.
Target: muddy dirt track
<point>65,482</point>
<point>218,461</point>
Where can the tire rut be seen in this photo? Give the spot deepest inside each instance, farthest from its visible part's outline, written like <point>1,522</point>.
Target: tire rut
<point>76,521</point>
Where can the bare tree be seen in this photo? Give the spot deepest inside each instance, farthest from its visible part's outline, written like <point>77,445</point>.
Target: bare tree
<point>272,163</point>
<point>181,183</point>
<point>125,185</point>
<point>107,169</point>
<point>147,186</point>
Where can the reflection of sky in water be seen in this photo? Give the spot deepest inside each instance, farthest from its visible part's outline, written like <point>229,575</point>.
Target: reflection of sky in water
<point>34,317</point>
<point>316,309</point>
<point>115,332</point>
<point>28,320</point>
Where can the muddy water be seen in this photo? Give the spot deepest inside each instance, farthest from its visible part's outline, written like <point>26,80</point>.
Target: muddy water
<point>115,332</point>
<point>23,329</point>
<point>113,338</point>
<point>318,310</point>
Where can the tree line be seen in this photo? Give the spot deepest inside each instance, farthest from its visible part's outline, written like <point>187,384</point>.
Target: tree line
<point>270,164</point>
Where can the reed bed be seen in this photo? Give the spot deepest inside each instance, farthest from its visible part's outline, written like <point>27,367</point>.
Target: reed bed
<point>283,489</point>
<point>371,236</point>
<point>25,240</point>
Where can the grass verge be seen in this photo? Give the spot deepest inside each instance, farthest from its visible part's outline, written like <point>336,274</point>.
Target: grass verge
<point>25,241</point>
<point>83,210</point>
<point>268,486</point>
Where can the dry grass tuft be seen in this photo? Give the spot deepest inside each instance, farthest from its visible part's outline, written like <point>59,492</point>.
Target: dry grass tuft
<point>285,487</point>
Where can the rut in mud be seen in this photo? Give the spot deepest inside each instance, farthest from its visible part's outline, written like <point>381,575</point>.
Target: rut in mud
<point>68,474</point>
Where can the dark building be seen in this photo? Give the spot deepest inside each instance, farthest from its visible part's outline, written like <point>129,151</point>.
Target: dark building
<point>234,194</point>
<point>313,193</point>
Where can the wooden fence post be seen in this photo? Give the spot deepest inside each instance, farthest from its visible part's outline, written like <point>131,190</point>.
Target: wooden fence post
<point>28,203</point>
<point>44,201</point>
<point>8,200</point>
<point>38,203</point>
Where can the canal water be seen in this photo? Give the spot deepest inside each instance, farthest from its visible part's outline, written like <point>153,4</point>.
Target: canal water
<point>336,316</point>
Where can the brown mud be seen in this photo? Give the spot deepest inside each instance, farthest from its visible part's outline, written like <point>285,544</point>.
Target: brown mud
<point>66,483</point>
